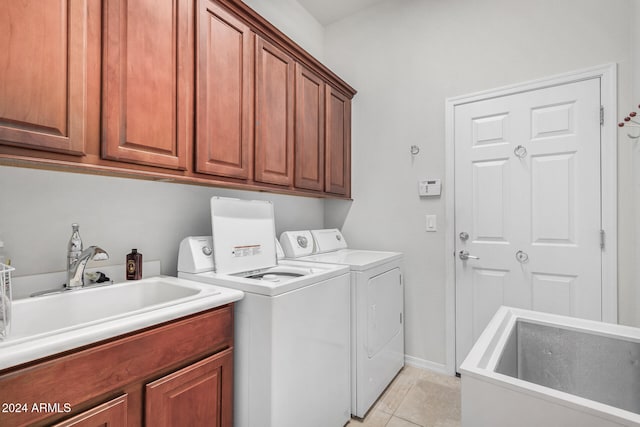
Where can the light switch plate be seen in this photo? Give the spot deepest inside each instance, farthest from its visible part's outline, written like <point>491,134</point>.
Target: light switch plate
<point>431,223</point>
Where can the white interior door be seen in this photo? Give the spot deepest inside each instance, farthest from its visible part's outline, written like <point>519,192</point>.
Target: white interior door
<point>527,195</point>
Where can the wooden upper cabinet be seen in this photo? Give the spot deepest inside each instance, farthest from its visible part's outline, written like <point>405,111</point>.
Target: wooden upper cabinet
<point>199,91</point>
<point>225,93</point>
<point>148,79</point>
<point>43,75</point>
<point>338,143</point>
<point>274,120</point>
<point>198,395</point>
<point>309,132</point>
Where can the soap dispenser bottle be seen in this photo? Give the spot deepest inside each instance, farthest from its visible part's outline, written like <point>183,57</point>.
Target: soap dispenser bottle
<point>134,265</point>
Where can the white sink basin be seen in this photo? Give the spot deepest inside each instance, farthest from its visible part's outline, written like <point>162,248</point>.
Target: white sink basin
<point>32,316</point>
<point>45,325</point>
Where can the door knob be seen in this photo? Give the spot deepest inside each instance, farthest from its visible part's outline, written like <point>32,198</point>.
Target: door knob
<point>464,255</point>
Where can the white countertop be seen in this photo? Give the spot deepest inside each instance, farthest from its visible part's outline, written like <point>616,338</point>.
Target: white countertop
<point>21,347</point>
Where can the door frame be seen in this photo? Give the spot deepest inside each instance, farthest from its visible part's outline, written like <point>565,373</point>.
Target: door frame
<point>608,184</point>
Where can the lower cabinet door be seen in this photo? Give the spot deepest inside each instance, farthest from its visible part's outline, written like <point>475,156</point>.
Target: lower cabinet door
<point>198,395</point>
<point>112,414</point>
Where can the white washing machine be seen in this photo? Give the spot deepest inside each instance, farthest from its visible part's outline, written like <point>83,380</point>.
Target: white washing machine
<point>292,341</point>
<point>377,308</point>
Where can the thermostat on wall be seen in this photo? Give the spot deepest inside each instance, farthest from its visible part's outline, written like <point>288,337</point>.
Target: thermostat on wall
<point>429,187</point>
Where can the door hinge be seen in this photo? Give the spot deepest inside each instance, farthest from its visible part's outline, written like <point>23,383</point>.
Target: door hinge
<point>602,236</point>
<point>602,115</point>
<point>400,318</point>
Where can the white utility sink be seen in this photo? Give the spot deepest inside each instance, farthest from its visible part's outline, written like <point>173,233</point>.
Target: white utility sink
<point>37,315</point>
<point>45,325</point>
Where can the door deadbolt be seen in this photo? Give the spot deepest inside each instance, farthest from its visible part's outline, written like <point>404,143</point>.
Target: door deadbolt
<point>464,236</point>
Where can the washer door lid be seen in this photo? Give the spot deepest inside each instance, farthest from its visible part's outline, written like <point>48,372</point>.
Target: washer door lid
<point>244,235</point>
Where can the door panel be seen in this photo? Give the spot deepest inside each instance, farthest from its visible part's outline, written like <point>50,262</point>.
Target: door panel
<point>199,394</point>
<point>384,305</point>
<point>309,135</point>
<point>225,93</point>
<point>552,191</point>
<point>109,414</point>
<point>148,82</point>
<point>488,293</point>
<point>274,114</point>
<point>43,64</point>
<point>552,293</point>
<point>338,143</point>
<point>528,194</point>
<point>490,200</point>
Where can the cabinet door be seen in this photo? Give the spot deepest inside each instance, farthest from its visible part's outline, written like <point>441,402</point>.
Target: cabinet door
<point>338,143</point>
<point>109,414</point>
<point>43,75</point>
<point>274,115</point>
<point>198,395</point>
<point>148,78</point>
<point>225,93</point>
<point>309,134</point>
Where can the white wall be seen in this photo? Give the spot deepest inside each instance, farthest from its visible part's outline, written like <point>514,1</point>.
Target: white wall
<point>293,20</point>
<point>117,214</point>
<point>405,57</point>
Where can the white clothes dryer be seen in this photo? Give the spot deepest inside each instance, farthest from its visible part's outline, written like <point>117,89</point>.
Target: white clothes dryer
<point>377,308</point>
<point>292,340</point>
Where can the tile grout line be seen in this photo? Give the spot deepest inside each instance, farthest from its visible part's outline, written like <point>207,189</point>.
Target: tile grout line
<point>393,413</point>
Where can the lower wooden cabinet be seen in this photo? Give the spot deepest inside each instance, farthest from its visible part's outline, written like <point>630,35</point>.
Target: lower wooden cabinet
<point>112,413</point>
<point>198,395</point>
<point>176,374</point>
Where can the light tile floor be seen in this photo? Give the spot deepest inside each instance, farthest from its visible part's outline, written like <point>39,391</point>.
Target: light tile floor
<point>416,397</point>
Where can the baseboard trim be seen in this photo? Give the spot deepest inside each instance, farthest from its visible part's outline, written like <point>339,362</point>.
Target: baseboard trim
<point>426,364</point>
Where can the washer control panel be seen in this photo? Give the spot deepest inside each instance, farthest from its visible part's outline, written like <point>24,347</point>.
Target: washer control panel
<point>195,254</point>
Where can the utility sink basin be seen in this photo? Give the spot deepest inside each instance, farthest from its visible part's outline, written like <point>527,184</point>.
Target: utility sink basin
<point>45,325</point>
<point>37,315</point>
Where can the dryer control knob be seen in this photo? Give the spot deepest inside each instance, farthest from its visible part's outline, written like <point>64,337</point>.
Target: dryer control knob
<point>302,241</point>
<point>207,250</point>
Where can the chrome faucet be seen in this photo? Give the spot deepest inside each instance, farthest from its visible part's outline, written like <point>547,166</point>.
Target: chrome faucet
<point>75,269</point>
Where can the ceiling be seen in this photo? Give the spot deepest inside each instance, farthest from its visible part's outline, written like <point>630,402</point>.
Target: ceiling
<point>330,11</point>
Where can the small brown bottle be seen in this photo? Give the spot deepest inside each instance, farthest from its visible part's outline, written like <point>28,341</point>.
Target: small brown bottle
<point>134,265</point>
